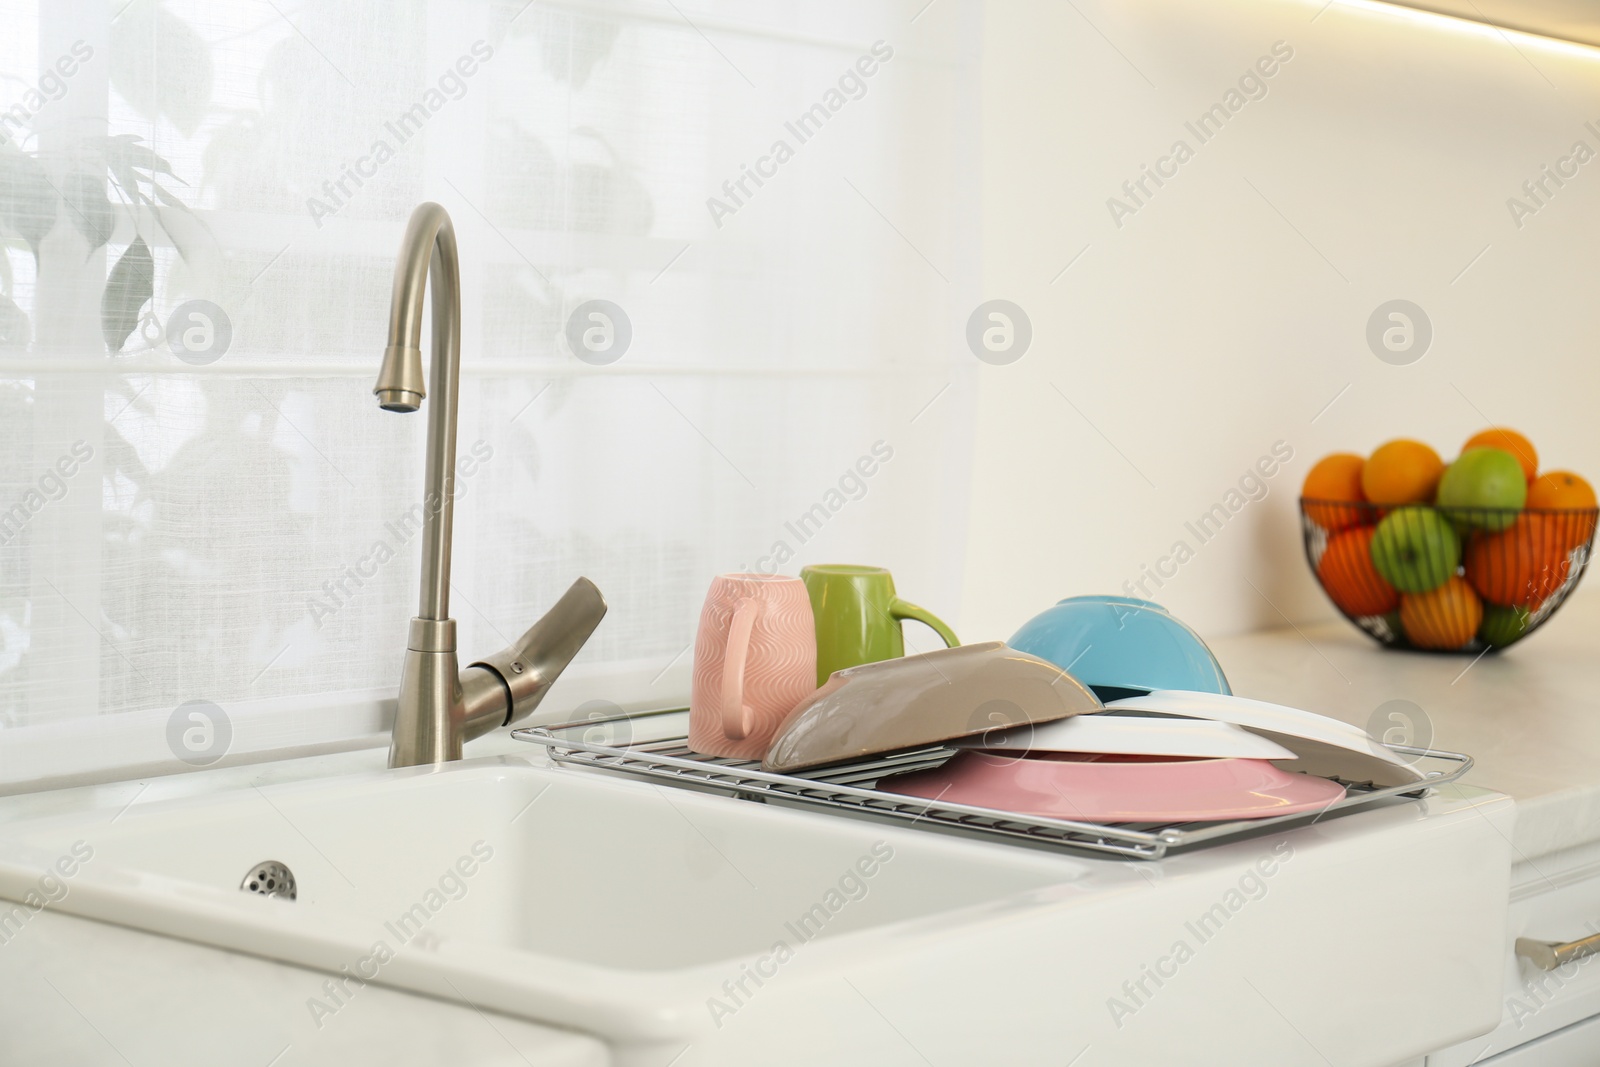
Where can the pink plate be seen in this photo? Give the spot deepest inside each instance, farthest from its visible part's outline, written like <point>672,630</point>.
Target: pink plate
<point>1089,788</point>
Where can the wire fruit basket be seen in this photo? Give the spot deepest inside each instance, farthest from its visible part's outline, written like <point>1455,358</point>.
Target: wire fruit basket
<point>1446,579</point>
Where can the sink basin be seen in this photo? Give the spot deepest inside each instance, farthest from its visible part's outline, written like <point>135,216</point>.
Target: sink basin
<point>568,866</point>
<point>566,897</point>
<point>692,929</point>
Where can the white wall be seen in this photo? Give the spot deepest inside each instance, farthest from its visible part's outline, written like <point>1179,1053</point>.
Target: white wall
<point>1230,310</point>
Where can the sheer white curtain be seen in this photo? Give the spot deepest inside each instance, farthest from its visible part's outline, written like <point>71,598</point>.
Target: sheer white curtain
<point>185,525</point>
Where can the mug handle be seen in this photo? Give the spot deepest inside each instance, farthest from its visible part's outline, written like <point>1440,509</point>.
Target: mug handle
<point>735,715</point>
<point>903,609</point>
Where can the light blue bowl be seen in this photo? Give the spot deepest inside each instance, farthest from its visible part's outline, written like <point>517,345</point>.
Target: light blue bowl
<point>1121,646</point>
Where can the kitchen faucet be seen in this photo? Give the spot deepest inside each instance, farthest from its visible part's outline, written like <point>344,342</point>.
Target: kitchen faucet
<point>441,706</point>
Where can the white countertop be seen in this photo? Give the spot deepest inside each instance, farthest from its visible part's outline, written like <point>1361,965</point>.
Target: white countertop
<point>1529,716</point>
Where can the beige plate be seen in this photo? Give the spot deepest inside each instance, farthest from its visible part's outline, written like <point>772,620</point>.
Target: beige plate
<point>924,700</point>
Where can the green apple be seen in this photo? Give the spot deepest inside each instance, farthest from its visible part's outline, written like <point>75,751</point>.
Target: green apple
<point>1415,549</point>
<point>1501,626</point>
<point>1484,478</point>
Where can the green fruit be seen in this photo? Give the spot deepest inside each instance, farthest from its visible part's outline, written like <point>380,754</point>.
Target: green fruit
<point>1501,626</point>
<point>1485,478</point>
<point>1415,549</point>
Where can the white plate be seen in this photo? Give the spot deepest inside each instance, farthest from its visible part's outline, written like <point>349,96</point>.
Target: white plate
<point>1322,745</point>
<point>1132,735</point>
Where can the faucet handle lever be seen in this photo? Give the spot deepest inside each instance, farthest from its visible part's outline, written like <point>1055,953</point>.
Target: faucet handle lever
<point>538,657</point>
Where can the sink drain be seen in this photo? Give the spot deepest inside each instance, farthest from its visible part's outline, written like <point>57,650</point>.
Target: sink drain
<point>269,878</point>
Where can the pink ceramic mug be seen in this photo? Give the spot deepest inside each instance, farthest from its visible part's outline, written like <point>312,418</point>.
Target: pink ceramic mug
<point>755,658</point>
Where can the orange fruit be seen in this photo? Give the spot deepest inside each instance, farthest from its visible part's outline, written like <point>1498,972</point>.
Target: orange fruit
<point>1521,566</point>
<point>1443,618</point>
<point>1349,578</point>
<point>1401,472</point>
<point>1507,440</point>
<point>1565,491</point>
<point>1335,478</point>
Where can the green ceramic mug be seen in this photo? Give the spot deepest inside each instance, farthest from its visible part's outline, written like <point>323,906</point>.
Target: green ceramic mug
<point>858,617</point>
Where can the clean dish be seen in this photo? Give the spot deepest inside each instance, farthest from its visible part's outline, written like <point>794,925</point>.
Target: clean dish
<point>1119,788</point>
<point>755,655</point>
<point>924,700</point>
<point>1120,646</point>
<point>1134,735</point>
<point>1321,745</point>
<point>858,617</point>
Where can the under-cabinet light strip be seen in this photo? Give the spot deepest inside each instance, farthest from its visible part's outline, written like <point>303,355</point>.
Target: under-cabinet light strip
<point>1461,24</point>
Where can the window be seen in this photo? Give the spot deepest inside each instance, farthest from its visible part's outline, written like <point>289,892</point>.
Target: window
<point>200,204</point>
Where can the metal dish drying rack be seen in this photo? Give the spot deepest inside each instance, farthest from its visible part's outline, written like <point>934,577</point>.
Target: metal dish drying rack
<point>850,787</point>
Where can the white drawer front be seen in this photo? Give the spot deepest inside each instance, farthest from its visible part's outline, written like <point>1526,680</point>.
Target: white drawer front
<point>1575,1046</point>
<point>1554,898</point>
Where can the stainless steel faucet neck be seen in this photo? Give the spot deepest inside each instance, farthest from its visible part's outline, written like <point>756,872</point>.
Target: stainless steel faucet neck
<point>428,252</point>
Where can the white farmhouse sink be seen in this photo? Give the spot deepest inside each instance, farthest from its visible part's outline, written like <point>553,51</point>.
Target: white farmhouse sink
<point>659,919</point>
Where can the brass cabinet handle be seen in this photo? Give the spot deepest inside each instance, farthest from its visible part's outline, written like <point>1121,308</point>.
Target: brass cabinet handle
<point>1548,955</point>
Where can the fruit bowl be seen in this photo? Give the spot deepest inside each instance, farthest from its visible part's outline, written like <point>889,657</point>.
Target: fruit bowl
<point>1446,579</point>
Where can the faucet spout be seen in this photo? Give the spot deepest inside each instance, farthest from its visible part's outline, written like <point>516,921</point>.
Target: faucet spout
<point>428,252</point>
<point>439,705</point>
